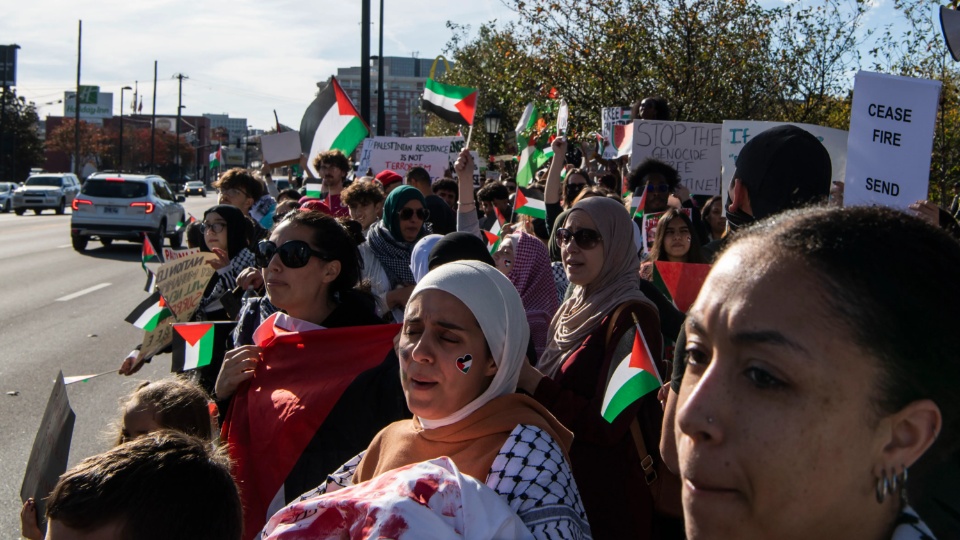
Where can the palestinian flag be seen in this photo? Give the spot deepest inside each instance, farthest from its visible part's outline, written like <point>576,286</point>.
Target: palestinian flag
<point>149,313</point>
<point>148,253</point>
<point>151,284</point>
<point>189,219</point>
<point>623,139</point>
<point>637,205</point>
<point>313,189</point>
<point>331,122</point>
<point>272,422</point>
<point>493,235</point>
<point>680,282</point>
<point>532,156</point>
<point>635,377</point>
<point>456,104</point>
<point>193,345</point>
<point>214,158</point>
<point>529,207</point>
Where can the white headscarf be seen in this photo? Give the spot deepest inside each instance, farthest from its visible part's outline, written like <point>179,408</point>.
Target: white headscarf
<point>420,256</point>
<point>495,303</point>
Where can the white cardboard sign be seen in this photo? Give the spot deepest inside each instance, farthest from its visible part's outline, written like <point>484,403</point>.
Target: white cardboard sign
<point>891,137</point>
<point>400,154</point>
<point>281,148</point>
<point>609,118</point>
<point>692,148</point>
<point>736,133</point>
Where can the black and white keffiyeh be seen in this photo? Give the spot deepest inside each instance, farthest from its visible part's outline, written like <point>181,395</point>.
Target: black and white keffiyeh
<point>393,254</point>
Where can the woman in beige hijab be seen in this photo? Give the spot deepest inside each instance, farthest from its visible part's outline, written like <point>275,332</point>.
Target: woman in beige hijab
<point>590,335</point>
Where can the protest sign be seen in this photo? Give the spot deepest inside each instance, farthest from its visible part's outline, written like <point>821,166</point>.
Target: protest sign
<point>610,118</point>
<point>692,148</point>
<point>736,133</point>
<point>891,137</point>
<point>181,282</point>
<point>172,254</point>
<point>281,148</point>
<point>400,154</point>
<point>51,448</point>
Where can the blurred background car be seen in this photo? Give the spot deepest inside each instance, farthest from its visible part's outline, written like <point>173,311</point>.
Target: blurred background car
<point>6,196</point>
<point>195,188</point>
<point>47,191</point>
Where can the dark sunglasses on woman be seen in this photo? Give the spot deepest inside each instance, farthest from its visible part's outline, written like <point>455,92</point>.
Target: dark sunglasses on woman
<point>407,213</point>
<point>585,238</point>
<point>293,254</point>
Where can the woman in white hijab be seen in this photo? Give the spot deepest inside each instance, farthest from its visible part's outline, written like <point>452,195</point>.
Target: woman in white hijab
<point>461,349</point>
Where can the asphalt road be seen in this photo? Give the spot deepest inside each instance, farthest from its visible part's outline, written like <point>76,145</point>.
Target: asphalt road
<point>63,311</point>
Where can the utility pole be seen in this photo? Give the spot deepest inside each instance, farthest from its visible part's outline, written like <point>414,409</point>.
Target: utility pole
<point>153,123</point>
<point>176,156</point>
<point>381,115</point>
<point>76,119</point>
<point>365,62</point>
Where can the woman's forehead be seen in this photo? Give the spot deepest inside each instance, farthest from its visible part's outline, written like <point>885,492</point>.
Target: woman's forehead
<point>413,203</point>
<point>437,307</point>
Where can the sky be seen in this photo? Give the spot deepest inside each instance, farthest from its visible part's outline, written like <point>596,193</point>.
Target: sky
<point>244,57</point>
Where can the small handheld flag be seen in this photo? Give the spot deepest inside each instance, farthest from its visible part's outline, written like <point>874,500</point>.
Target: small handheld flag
<point>149,313</point>
<point>634,377</point>
<point>331,122</point>
<point>456,104</point>
<point>529,207</point>
<point>193,343</point>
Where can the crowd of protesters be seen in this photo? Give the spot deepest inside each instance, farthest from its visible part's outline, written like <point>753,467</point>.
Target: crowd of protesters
<point>817,366</point>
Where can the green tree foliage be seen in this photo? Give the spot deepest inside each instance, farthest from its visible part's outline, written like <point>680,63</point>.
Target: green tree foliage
<point>20,145</point>
<point>711,59</point>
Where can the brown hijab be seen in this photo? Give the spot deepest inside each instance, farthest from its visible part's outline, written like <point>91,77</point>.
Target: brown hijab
<point>618,282</point>
<point>472,443</point>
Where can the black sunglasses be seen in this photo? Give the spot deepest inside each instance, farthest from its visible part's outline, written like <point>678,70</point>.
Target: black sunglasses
<point>407,213</point>
<point>585,238</point>
<point>293,254</point>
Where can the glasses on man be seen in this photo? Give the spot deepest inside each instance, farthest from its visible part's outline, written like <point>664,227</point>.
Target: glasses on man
<point>408,213</point>
<point>585,238</point>
<point>233,193</point>
<point>216,228</point>
<point>293,254</point>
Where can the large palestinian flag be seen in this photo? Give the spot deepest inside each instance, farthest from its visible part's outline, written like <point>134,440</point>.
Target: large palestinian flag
<point>331,122</point>
<point>456,104</point>
<point>634,377</point>
<point>305,383</point>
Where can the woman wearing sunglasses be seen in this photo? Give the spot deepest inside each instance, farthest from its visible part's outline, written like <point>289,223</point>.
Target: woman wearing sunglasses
<point>390,241</point>
<point>591,333</point>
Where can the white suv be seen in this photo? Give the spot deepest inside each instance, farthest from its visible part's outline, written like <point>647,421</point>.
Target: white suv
<point>125,207</point>
<point>46,191</point>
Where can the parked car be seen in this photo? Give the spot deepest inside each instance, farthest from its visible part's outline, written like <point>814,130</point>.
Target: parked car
<point>195,188</point>
<point>115,206</point>
<point>47,191</point>
<point>6,196</point>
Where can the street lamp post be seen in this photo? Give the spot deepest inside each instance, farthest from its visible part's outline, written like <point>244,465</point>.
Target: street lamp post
<point>120,149</point>
<point>491,122</point>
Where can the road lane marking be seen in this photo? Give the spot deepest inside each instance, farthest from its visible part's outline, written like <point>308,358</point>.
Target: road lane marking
<point>83,292</point>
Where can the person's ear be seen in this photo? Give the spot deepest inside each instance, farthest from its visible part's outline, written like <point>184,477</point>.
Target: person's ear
<point>907,434</point>
<point>740,197</point>
<point>378,209</point>
<point>491,368</point>
<point>331,271</point>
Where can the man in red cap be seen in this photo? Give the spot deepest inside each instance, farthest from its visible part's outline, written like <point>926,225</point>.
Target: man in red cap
<point>389,180</point>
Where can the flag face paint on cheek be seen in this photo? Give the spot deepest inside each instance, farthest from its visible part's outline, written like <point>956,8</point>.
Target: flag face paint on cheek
<point>464,362</point>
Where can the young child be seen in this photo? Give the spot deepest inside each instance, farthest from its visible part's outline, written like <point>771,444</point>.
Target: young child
<point>176,403</point>
<point>162,485</point>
